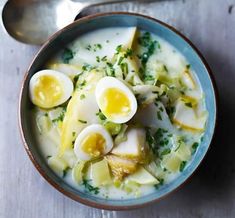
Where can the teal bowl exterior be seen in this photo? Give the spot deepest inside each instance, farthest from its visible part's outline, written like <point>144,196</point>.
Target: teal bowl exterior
<point>71,32</point>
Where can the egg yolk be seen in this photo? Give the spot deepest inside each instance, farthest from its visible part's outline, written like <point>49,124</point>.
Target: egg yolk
<point>93,144</point>
<point>47,91</point>
<point>115,102</point>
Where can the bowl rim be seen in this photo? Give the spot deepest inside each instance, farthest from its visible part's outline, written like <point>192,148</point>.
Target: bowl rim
<point>75,196</point>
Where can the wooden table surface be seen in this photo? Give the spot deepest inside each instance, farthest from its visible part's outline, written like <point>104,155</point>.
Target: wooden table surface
<point>210,24</point>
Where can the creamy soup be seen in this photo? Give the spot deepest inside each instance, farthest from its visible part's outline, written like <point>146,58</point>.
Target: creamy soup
<point>118,113</point>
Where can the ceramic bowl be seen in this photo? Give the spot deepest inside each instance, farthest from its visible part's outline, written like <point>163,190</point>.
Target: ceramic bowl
<point>79,27</point>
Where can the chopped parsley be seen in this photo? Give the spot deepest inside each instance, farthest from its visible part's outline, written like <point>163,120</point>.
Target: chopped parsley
<point>118,49</point>
<point>101,116</point>
<point>189,104</point>
<point>182,165</point>
<point>94,48</point>
<point>161,181</point>
<point>188,66</point>
<point>194,146</point>
<point>97,59</point>
<point>87,67</point>
<point>166,151</point>
<point>67,55</point>
<point>60,118</point>
<point>159,116</point>
<point>104,58</point>
<point>82,96</point>
<point>120,60</point>
<point>110,70</point>
<point>165,68</point>
<point>73,134</point>
<point>124,68</point>
<point>82,121</point>
<point>89,187</point>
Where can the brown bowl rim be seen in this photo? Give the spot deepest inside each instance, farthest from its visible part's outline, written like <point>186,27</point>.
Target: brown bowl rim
<point>77,197</point>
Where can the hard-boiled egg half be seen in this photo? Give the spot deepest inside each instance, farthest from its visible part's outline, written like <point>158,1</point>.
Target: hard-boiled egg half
<point>116,101</point>
<point>49,88</point>
<point>92,142</point>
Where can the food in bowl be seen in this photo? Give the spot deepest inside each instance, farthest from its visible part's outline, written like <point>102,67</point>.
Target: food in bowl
<point>118,113</point>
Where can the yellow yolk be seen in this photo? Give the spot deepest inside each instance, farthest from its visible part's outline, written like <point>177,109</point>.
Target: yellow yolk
<point>47,91</point>
<point>93,144</point>
<point>115,102</point>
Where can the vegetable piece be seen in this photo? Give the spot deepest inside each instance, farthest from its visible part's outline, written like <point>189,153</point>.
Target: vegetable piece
<point>100,173</point>
<point>133,147</point>
<point>78,109</point>
<point>89,187</point>
<point>77,173</point>
<point>183,152</point>
<point>121,137</point>
<point>188,80</point>
<point>68,69</point>
<point>154,169</point>
<point>142,177</point>
<point>120,167</point>
<point>70,158</point>
<point>186,117</point>
<point>171,162</point>
<point>113,128</point>
<point>58,165</point>
<point>43,123</point>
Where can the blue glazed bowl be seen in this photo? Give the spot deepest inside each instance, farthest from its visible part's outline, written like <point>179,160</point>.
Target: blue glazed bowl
<point>79,27</point>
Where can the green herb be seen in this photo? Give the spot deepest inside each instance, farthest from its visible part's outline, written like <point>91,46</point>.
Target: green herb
<point>73,134</point>
<point>151,141</point>
<point>128,53</point>
<point>75,78</point>
<point>194,146</point>
<point>67,55</point>
<point>166,151</point>
<point>65,171</point>
<point>60,117</point>
<point>118,49</point>
<point>107,41</point>
<point>104,58</point>
<point>88,47</point>
<point>165,68</point>
<point>159,116</point>
<point>98,59</point>
<point>82,121</point>
<point>81,85</point>
<point>120,60</point>
<point>188,66</point>
<point>182,165</point>
<point>87,67</point>
<point>110,70</point>
<point>99,46</point>
<point>148,78</point>
<point>124,68</point>
<point>189,104</point>
<point>161,181</point>
<point>161,109</point>
<point>89,187</point>
<point>46,114</point>
<point>82,96</point>
<point>101,116</point>
<point>49,156</point>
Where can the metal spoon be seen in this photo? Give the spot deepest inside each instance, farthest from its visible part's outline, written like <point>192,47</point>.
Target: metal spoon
<point>33,21</point>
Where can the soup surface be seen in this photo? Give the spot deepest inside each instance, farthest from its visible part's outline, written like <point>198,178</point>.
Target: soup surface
<point>118,113</point>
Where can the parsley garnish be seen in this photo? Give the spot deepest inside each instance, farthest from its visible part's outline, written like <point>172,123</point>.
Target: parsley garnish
<point>118,49</point>
<point>60,117</point>
<point>89,187</point>
<point>194,146</point>
<point>101,115</point>
<point>82,121</point>
<point>82,96</point>
<point>182,165</point>
<point>159,116</point>
<point>67,55</point>
<point>189,104</point>
<point>166,151</point>
<point>161,181</point>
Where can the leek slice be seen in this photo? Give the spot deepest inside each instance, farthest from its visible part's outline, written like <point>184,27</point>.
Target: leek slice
<point>100,173</point>
<point>58,165</point>
<point>77,172</point>
<point>142,177</point>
